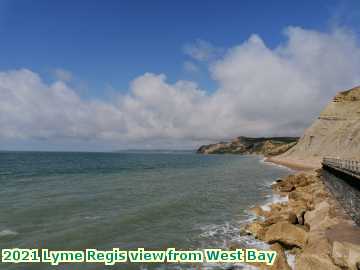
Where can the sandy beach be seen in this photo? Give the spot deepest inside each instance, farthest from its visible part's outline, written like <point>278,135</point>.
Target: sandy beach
<point>296,164</point>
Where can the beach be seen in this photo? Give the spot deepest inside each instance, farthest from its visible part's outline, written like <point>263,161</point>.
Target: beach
<point>296,164</point>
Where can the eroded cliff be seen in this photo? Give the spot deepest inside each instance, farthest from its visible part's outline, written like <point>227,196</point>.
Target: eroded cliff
<point>336,132</point>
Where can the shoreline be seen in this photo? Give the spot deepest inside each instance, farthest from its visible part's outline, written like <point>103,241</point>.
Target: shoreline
<point>294,165</point>
<point>306,229</point>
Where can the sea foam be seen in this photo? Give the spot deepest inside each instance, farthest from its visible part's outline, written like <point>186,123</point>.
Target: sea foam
<point>4,233</point>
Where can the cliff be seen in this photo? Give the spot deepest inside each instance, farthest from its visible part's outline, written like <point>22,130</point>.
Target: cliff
<point>245,145</point>
<point>336,133</point>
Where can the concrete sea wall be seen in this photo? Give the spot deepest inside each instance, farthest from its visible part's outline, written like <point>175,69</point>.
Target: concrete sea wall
<point>346,189</point>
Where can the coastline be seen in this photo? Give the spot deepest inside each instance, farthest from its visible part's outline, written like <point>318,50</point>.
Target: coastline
<point>306,228</point>
<point>298,165</point>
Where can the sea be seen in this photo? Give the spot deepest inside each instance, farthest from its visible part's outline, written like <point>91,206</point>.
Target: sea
<point>129,200</point>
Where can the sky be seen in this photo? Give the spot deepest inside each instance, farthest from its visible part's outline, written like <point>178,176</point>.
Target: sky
<point>109,75</point>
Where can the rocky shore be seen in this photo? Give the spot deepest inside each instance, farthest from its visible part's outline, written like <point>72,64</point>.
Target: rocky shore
<point>311,226</point>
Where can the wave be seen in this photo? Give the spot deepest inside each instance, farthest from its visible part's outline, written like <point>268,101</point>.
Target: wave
<point>275,198</point>
<point>5,233</point>
<point>221,236</point>
<point>92,217</point>
<point>263,160</point>
<point>226,235</point>
<point>290,259</point>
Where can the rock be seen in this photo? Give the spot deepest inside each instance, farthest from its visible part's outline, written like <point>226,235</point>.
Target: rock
<point>283,186</point>
<point>317,244</point>
<point>294,182</point>
<point>287,188</point>
<point>319,217</point>
<point>289,217</point>
<point>314,261</point>
<point>320,196</point>
<point>281,261</point>
<point>298,207</point>
<point>316,253</point>
<point>256,229</point>
<point>346,255</point>
<point>345,231</point>
<point>308,224</point>
<point>301,217</point>
<point>292,218</point>
<point>287,234</point>
<point>277,209</point>
<point>258,211</point>
<point>298,195</point>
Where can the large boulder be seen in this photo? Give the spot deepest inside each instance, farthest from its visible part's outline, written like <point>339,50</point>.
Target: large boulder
<point>319,218</point>
<point>289,217</point>
<point>256,229</point>
<point>292,182</point>
<point>316,253</point>
<point>299,195</point>
<point>313,261</point>
<point>281,261</point>
<point>299,208</point>
<point>287,234</point>
<point>283,186</point>
<point>346,255</point>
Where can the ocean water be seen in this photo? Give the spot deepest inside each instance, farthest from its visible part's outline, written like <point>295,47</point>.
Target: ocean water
<point>155,200</point>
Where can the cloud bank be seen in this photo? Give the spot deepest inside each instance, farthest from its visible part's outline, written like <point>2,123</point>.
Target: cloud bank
<point>261,91</point>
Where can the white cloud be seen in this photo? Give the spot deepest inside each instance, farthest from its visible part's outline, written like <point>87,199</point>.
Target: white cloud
<point>291,83</point>
<point>261,91</point>
<point>62,74</point>
<point>191,67</point>
<point>202,50</point>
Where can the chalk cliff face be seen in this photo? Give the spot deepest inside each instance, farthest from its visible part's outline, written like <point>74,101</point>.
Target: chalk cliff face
<point>336,132</point>
<point>245,145</point>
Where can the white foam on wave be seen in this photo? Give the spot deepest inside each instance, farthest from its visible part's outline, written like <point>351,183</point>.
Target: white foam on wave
<point>4,233</point>
<point>229,233</point>
<point>263,160</point>
<point>92,217</point>
<point>276,198</point>
<point>290,259</point>
<point>220,236</point>
<point>225,235</point>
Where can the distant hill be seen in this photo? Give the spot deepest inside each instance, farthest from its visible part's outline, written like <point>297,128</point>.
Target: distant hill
<point>246,145</point>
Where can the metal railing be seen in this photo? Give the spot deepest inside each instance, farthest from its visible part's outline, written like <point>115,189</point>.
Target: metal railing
<point>352,166</point>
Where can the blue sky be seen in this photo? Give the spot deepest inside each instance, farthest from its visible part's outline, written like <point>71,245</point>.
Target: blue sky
<point>109,43</point>
<point>99,52</point>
